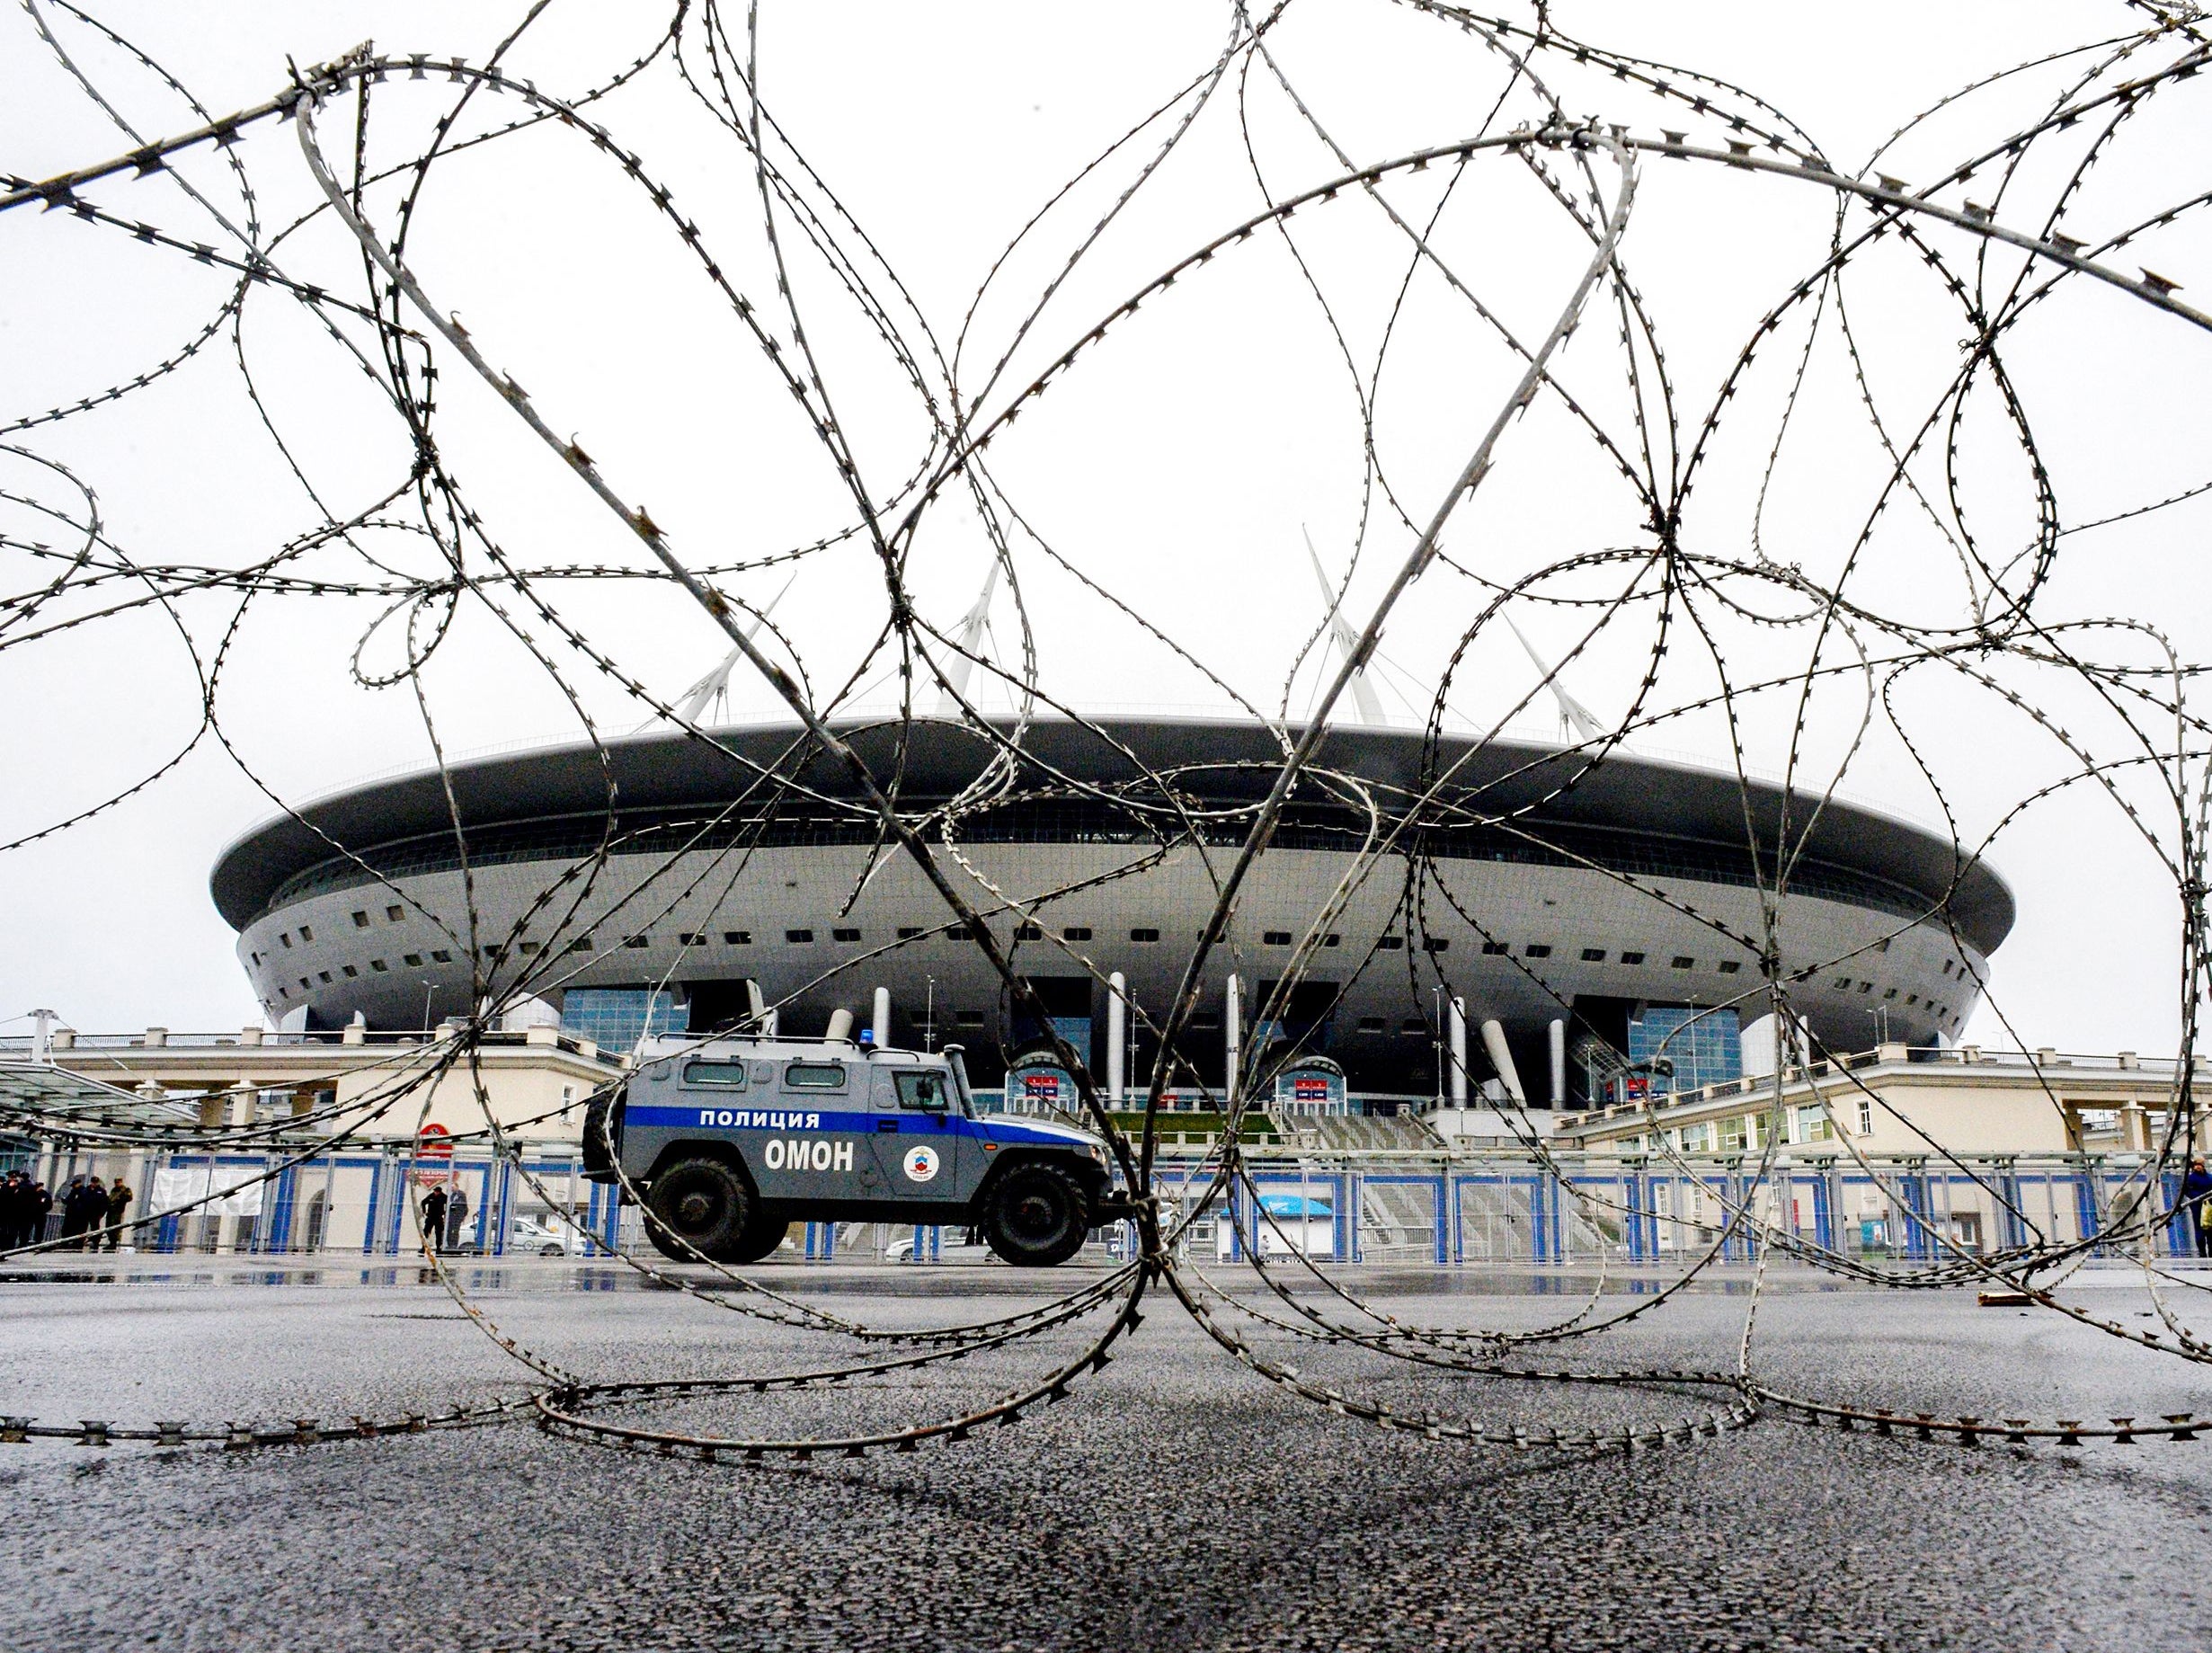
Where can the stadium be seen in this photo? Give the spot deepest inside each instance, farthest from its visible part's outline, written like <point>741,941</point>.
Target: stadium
<point>665,878</point>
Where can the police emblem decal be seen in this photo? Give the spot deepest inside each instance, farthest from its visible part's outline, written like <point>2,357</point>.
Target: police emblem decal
<point>920,1164</point>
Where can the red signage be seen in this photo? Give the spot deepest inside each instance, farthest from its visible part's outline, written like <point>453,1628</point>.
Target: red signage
<point>434,1142</point>
<point>1309,1090</point>
<point>1043,1086</point>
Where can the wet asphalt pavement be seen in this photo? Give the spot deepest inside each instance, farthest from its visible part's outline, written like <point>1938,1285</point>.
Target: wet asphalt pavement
<point>1175,1502</point>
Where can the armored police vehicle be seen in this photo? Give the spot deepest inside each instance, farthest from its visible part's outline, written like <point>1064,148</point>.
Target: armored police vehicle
<point>733,1140</point>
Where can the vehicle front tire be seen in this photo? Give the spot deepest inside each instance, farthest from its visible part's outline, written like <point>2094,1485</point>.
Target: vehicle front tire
<point>1037,1217</point>
<point>759,1240</point>
<point>699,1208</point>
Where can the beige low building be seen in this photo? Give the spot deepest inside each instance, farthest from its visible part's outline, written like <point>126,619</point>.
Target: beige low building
<point>1894,1101</point>
<point>355,1128</point>
<point>530,1082</point>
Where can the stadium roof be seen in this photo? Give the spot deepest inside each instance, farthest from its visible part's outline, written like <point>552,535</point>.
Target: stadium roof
<point>1223,761</point>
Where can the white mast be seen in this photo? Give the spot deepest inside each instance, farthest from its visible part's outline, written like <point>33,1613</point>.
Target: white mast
<point>715,686</point>
<point>969,639</point>
<point>1573,715</point>
<point>1363,692</point>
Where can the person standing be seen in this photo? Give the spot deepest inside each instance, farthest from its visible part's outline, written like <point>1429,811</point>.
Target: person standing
<point>2196,1195</point>
<point>119,1207</point>
<point>457,1214</point>
<point>95,1214</point>
<point>41,1206</point>
<point>72,1213</point>
<point>14,1209</point>
<point>433,1217</point>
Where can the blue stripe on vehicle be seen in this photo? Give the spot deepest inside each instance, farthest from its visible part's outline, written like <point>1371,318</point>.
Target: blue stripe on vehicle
<point>704,1117</point>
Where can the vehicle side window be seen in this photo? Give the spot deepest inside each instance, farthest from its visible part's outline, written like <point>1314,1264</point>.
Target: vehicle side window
<point>924,1091</point>
<point>815,1076</point>
<point>722,1075</point>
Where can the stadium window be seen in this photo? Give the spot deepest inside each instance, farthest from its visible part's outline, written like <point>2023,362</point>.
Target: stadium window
<point>1842,984</point>
<point>493,951</point>
<point>845,934</point>
<point>305,933</point>
<point>1729,967</point>
<point>1912,998</point>
<point>284,992</point>
<point>1371,1024</point>
<point>1332,940</point>
<point>1389,944</point>
<point>325,974</point>
<point>1683,961</point>
<point>1028,932</point>
<point>737,938</point>
<point>413,961</point>
<point>361,920</point>
<point>257,961</point>
<point>303,984</point>
<point>349,972</point>
<point>528,947</point>
<point>396,913</point>
<point>1866,987</point>
<point>438,955</point>
<point>287,939</point>
<point>1594,955</point>
<point>1276,938</point>
<point>1436,944</point>
<point>690,937</point>
<point>1631,958</point>
<point>377,966</point>
<point>1206,1021</point>
<point>1947,969</point>
<point>1492,948</point>
<point>798,938</point>
<point>1892,993</point>
<point>1413,1027</point>
<point>970,1018</point>
<point>1144,935</point>
<point>583,944</point>
<point>907,932</point>
<point>1076,932</point>
<point>1538,951</point>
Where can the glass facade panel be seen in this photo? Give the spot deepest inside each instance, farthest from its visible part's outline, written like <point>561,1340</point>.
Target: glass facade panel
<point>1706,1046</point>
<point>616,1018</point>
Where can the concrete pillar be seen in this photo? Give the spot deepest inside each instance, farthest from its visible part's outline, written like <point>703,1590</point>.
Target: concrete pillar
<point>156,1038</point>
<point>249,1035</point>
<point>1232,1018</point>
<point>1558,1031</point>
<point>1117,1034</point>
<point>882,1023</point>
<point>1501,1057</point>
<point>1456,1012</point>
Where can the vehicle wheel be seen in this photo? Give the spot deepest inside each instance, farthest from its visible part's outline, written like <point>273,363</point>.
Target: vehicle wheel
<point>549,1250</point>
<point>761,1239</point>
<point>1037,1217</point>
<point>697,1208</point>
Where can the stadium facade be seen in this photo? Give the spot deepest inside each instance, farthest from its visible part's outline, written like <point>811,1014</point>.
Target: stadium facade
<point>659,876</point>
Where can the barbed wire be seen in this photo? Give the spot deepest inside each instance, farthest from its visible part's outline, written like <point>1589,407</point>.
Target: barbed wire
<point>821,303</point>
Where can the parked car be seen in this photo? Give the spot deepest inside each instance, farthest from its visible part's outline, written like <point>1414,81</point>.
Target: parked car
<point>549,1237</point>
<point>953,1247</point>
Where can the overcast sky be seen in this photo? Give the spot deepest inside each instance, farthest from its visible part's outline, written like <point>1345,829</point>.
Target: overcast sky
<point>1179,466</point>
